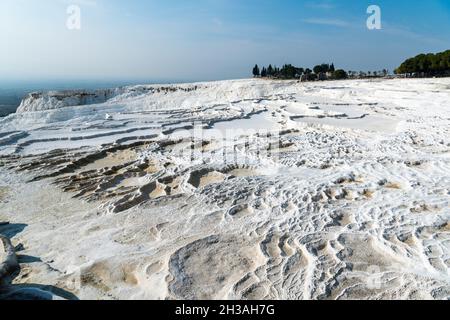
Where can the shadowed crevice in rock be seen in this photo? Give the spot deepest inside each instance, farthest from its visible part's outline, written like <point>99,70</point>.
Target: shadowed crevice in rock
<point>10,268</point>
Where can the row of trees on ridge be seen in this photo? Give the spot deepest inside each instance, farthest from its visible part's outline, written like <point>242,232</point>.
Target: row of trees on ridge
<point>288,71</point>
<point>422,65</point>
<point>426,65</point>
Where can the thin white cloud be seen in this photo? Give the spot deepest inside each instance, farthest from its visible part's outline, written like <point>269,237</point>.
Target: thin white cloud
<point>401,31</point>
<point>327,22</point>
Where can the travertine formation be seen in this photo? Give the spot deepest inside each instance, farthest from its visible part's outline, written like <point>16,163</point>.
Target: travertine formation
<point>245,189</point>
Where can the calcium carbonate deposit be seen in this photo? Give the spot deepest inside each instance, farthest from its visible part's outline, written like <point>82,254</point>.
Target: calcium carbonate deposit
<point>247,189</point>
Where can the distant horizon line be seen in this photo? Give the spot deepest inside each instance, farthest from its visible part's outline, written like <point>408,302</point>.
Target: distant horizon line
<point>8,84</point>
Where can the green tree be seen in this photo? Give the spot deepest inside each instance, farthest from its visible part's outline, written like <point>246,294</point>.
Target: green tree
<point>288,71</point>
<point>270,70</point>
<point>263,72</point>
<point>276,71</point>
<point>340,74</point>
<point>256,72</point>
<point>426,64</point>
<point>325,67</point>
<point>318,69</point>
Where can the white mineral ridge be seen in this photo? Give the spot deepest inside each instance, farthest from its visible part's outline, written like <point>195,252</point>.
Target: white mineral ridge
<point>322,190</point>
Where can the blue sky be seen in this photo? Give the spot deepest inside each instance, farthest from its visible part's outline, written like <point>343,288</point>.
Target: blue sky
<point>210,39</point>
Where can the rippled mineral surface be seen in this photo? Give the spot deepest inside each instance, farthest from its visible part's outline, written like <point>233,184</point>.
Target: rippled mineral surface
<point>246,189</point>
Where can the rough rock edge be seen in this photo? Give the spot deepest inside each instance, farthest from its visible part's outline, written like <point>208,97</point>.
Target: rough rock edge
<point>10,264</point>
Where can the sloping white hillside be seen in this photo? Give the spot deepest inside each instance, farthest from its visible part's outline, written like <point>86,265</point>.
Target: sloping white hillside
<point>246,189</point>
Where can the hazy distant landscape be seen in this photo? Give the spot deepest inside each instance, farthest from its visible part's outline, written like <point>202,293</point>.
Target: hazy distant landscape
<point>10,100</point>
<point>12,92</point>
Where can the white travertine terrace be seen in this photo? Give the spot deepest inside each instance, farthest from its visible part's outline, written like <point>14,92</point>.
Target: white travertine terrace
<point>323,190</point>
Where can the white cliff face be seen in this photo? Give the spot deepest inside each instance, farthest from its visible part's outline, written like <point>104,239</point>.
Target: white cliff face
<point>59,99</point>
<point>246,189</point>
